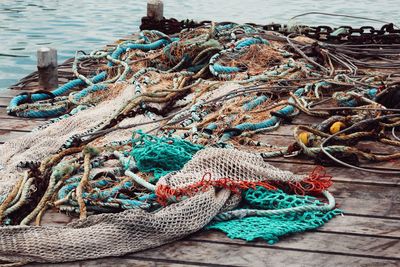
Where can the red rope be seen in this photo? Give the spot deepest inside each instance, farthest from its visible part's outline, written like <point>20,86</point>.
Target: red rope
<point>165,192</point>
<point>315,183</point>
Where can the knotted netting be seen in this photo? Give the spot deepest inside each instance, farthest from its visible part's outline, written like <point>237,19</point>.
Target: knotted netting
<point>134,230</point>
<point>157,146</point>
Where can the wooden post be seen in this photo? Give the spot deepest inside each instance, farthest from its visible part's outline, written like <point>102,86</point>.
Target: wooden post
<point>155,9</point>
<point>47,68</point>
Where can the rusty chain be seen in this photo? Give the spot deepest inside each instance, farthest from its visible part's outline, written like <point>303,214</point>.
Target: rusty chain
<point>343,34</point>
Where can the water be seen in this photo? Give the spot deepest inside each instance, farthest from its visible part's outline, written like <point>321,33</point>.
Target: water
<point>71,25</point>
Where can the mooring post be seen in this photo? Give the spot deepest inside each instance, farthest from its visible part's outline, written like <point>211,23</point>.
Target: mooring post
<point>155,9</point>
<point>47,68</point>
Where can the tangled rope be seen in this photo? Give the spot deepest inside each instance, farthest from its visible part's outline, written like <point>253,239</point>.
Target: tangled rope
<point>159,136</point>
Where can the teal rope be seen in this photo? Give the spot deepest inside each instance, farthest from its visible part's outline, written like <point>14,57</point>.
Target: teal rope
<point>17,100</point>
<point>271,122</point>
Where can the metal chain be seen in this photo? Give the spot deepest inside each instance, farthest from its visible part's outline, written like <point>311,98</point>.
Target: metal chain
<point>343,34</point>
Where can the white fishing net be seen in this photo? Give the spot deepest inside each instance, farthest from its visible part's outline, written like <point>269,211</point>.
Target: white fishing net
<point>38,145</point>
<point>132,230</point>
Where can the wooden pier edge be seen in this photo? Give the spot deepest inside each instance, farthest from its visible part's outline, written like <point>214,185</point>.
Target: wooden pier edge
<point>367,235</point>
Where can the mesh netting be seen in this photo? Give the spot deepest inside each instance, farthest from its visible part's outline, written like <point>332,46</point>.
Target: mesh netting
<point>133,230</point>
<point>161,155</point>
<point>270,228</point>
<point>190,94</point>
<point>36,146</point>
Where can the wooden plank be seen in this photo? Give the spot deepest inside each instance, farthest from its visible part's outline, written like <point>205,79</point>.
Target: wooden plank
<point>278,139</point>
<point>3,113</point>
<point>367,200</point>
<point>10,93</point>
<point>393,165</point>
<point>9,135</point>
<point>120,261</point>
<point>358,225</point>
<point>339,174</point>
<point>229,253</point>
<point>359,246</point>
<point>4,101</point>
<point>19,125</point>
<point>281,137</point>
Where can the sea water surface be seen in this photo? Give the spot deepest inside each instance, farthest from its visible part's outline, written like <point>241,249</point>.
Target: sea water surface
<point>70,25</point>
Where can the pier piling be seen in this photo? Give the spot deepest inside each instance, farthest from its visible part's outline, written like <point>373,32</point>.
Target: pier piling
<point>47,68</point>
<point>155,9</point>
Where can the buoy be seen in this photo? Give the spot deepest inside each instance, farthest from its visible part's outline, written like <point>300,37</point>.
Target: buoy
<point>336,127</point>
<point>304,137</point>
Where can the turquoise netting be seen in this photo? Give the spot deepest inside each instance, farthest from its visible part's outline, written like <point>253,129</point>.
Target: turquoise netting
<point>272,227</point>
<point>161,155</point>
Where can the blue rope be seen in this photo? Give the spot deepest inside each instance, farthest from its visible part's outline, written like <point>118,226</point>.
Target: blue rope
<point>352,102</point>
<point>90,89</point>
<point>248,126</point>
<point>224,69</point>
<point>217,69</point>
<point>57,92</point>
<point>251,41</point>
<point>57,111</point>
<point>254,103</point>
<point>144,47</point>
<point>16,101</point>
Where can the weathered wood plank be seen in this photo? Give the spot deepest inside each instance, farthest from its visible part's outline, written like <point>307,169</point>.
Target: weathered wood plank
<point>279,138</point>
<point>3,113</point>
<point>4,101</point>
<point>232,254</point>
<point>358,225</point>
<point>384,165</point>
<point>367,200</point>
<point>120,261</point>
<point>19,125</point>
<point>9,135</point>
<point>340,174</point>
<point>361,246</point>
<point>10,93</point>
<point>197,253</point>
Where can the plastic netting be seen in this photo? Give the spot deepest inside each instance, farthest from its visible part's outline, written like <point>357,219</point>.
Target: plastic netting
<point>161,155</point>
<point>133,230</point>
<point>271,228</point>
<point>86,162</point>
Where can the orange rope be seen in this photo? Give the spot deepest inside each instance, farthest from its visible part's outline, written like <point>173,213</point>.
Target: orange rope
<point>315,183</point>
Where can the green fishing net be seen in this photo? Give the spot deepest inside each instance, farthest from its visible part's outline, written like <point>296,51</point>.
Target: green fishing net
<point>270,228</point>
<point>161,155</point>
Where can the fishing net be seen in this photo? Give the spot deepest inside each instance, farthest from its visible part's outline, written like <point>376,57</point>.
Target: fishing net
<point>38,145</point>
<point>133,230</point>
<point>271,227</point>
<point>161,155</point>
<point>167,136</point>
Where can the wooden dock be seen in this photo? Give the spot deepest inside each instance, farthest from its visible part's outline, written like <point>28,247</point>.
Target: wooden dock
<point>367,235</point>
